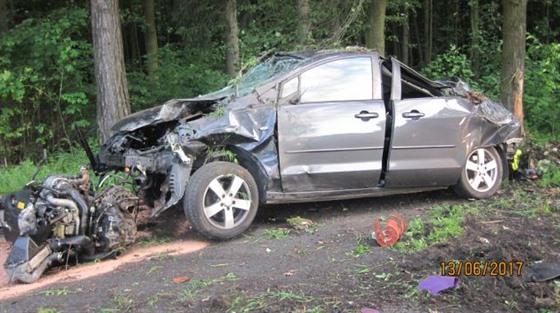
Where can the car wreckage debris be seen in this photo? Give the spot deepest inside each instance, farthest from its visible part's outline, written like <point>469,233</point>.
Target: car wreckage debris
<point>394,229</point>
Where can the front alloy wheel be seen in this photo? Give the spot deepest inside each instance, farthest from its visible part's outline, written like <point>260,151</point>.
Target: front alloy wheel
<point>481,175</point>
<point>221,200</point>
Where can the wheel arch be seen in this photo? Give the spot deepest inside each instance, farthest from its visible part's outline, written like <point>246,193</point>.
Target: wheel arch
<point>234,154</point>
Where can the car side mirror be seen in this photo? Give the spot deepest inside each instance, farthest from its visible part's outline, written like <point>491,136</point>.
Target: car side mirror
<point>295,98</point>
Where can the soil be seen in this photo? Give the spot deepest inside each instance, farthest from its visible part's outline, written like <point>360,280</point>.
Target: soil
<point>325,267</point>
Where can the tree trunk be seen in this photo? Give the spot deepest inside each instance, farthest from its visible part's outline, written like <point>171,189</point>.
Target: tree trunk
<point>375,36</point>
<point>405,37</point>
<point>110,75</point>
<point>232,53</point>
<point>150,39</point>
<point>428,33</point>
<point>4,16</point>
<point>304,26</point>
<point>513,55</point>
<point>475,36</point>
<point>418,41</point>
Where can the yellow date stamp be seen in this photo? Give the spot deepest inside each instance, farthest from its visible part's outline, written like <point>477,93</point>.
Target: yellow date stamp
<point>481,268</point>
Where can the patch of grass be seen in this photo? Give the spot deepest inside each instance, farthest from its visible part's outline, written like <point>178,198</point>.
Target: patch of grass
<point>359,250</point>
<point>276,233</point>
<point>153,241</point>
<point>193,287</point>
<point>271,298</point>
<point>443,223</point>
<point>15,177</point>
<point>56,292</point>
<point>362,269</point>
<point>154,268</point>
<point>123,302</point>
<point>383,276</point>
<point>154,299</point>
<point>47,310</point>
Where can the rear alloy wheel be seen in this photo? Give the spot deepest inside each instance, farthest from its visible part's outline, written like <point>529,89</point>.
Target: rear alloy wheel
<point>221,200</point>
<point>481,175</point>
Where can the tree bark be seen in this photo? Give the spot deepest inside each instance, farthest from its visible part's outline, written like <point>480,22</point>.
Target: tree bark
<point>150,39</point>
<point>405,37</point>
<point>304,26</point>
<point>232,51</point>
<point>4,16</point>
<point>375,35</point>
<point>513,55</point>
<point>475,36</point>
<point>110,75</point>
<point>428,32</point>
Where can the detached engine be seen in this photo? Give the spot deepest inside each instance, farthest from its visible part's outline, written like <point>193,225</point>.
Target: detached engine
<point>62,220</point>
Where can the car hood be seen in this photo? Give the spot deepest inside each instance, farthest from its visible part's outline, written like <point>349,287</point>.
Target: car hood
<point>171,110</point>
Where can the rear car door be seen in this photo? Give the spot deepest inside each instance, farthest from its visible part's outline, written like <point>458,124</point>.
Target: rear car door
<point>331,126</point>
<point>427,144</point>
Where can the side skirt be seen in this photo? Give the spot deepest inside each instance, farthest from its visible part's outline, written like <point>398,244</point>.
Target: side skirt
<point>316,196</point>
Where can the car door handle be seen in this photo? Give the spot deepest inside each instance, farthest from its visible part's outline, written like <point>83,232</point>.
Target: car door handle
<point>365,115</point>
<point>413,115</point>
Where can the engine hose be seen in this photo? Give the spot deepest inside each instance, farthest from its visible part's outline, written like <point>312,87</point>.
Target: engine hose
<point>82,242</point>
<point>66,189</point>
<point>64,203</point>
<point>75,194</point>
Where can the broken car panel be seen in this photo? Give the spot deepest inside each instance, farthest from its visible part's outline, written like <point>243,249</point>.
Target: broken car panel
<point>307,127</point>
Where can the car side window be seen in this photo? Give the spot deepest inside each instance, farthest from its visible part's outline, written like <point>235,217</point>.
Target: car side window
<point>290,87</point>
<point>340,80</point>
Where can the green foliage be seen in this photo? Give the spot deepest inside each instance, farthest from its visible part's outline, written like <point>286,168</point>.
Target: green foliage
<point>444,222</point>
<point>181,75</point>
<point>44,83</point>
<point>276,233</point>
<point>542,87</point>
<point>15,177</point>
<point>550,174</point>
<point>451,63</point>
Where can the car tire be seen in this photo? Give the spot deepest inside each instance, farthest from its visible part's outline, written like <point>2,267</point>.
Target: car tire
<point>481,175</point>
<point>221,200</point>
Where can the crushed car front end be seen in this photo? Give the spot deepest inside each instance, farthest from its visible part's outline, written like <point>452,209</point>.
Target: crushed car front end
<point>161,147</point>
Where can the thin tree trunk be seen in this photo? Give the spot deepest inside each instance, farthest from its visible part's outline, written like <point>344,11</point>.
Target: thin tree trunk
<point>4,16</point>
<point>232,53</point>
<point>513,55</point>
<point>134,46</point>
<point>375,36</point>
<point>405,37</point>
<point>418,40</point>
<point>110,75</point>
<point>475,36</point>
<point>304,25</point>
<point>428,32</point>
<point>150,39</point>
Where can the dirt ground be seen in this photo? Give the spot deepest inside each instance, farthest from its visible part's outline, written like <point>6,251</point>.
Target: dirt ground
<point>314,270</point>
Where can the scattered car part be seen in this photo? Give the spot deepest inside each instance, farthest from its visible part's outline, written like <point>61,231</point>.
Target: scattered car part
<point>395,227</point>
<point>62,219</point>
<point>546,270</point>
<point>437,284</point>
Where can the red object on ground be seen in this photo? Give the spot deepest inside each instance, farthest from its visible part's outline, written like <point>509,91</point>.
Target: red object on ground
<point>395,226</point>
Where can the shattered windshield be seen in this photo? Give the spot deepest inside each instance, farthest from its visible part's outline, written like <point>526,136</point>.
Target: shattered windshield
<point>262,73</point>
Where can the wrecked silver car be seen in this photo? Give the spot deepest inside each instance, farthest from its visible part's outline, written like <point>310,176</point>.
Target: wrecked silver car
<point>311,126</point>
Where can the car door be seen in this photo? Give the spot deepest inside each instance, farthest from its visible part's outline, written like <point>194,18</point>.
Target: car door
<point>331,125</point>
<point>427,140</point>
